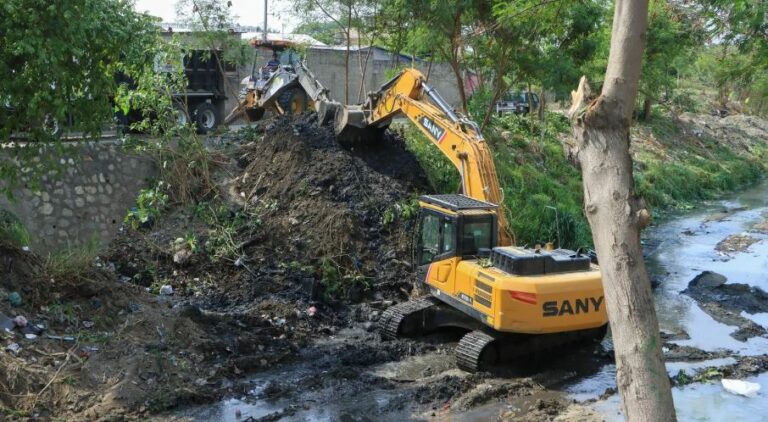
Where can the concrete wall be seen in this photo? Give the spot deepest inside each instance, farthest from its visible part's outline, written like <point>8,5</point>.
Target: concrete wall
<point>328,67</point>
<point>89,199</point>
<point>327,64</point>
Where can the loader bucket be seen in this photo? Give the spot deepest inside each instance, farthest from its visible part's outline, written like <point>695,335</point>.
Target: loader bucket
<point>255,113</point>
<point>326,111</point>
<point>351,126</point>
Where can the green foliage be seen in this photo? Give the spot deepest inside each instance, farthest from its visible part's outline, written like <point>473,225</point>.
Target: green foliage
<point>701,170</point>
<point>324,32</point>
<point>149,205</point>
<point>12,231</point>
<point>340,274</point>
<point>404,210</point>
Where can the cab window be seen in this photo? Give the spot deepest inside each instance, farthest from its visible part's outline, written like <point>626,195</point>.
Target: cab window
<point>430,238</point>
<point>449,236</point>
<point>476,233</point>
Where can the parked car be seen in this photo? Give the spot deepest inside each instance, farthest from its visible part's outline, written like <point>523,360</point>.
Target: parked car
<point>517,102</point>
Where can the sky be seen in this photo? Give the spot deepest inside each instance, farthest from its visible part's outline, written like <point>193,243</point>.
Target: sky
<point>248,12</point>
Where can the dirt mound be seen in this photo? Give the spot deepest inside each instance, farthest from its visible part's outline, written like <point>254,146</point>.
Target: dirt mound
<point>332,219</point>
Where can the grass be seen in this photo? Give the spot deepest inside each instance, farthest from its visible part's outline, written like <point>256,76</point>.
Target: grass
<point>72,263</point>
<point>12,231</point>
<point>543,191</point>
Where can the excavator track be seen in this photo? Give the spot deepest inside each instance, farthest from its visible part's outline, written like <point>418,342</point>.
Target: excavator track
<point>480,349</point>
<point>410,314</point>
<point>476,351</point>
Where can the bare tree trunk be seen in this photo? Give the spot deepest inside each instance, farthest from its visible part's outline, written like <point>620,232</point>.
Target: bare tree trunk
<point>542,104</point>
<point>429,66</point>
<point>531,116</point>
<point>616,215</point>
<point>346,59</point>
<point>456,52</point>
<point>647,103</point>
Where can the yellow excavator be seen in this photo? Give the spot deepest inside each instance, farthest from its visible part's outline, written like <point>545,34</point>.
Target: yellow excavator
<point>514,301</point>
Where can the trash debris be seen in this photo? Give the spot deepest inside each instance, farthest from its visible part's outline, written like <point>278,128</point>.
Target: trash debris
<point>25,248</point>
<point>14,298</point>
<point>88,324</point>
<point>6,323</point>
<point>13,348</point>
<point>182,256</point>
<point>20,321</point>
<point>30,336</point>
<point>166,290</point>
<point>742,388</point>
<point>311,311</point>
<point>63,338</point>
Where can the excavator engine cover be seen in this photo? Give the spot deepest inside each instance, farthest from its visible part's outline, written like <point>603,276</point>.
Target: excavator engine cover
<point>521,261</point>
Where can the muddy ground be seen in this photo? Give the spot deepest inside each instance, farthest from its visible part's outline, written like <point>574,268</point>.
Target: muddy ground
<point>278,278</point>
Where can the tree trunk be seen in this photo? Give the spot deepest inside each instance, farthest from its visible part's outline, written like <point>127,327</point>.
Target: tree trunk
<point>531,116</point>
<point>542,104</point>
<point>456,52</point>
<point>647,103</point>
<point>346,59</point>
<point>616,215</point>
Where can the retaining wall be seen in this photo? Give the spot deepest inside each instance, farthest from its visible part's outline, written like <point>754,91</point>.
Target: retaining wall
<point>98,183</point>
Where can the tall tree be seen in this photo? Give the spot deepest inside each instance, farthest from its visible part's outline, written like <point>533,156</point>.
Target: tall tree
<point>616,215</point>
<point>64,72</point>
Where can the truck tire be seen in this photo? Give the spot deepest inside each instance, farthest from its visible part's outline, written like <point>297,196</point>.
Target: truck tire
<point>206,117</point>
<point>293,101</point>
<point>182,116</point>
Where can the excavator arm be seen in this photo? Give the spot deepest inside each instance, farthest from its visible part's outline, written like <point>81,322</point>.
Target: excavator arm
<point>458,138</point>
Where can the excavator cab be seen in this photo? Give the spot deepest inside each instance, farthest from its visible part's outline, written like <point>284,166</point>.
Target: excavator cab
<point>455,226</point>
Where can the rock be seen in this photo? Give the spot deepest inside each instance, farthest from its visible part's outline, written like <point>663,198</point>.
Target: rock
<point>742,388</point>
<point>709,287</point>
<point>14,298</point>
<point>182,256</point>
<point>166,290</point>
<point>708,279</point>
<point>13,348</point>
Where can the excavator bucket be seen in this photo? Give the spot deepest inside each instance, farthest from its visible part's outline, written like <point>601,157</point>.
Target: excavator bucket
<point>350,125</point>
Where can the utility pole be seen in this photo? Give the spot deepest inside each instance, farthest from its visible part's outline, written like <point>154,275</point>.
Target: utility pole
<point>265,21</point>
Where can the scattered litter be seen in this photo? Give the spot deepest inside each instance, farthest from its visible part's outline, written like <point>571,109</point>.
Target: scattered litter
<point>25,248</point>
<point>743,388</point>
<point>30,336</point>
<point>6,323</point>
<point>279,322</point>
<point>239,261</point>
<point>124,279</point>
<point>88,324</point>
<point>14,298</point>
<point>182,256</point>
<point>63,338</point>
<point>20,321</point>
<point>166,290</point>
<point>311,311</point>
<point>13,348</point>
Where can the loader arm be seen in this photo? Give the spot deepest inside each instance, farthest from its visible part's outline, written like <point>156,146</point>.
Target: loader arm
<point>458,138</point>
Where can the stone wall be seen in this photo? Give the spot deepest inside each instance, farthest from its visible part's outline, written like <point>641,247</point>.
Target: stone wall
<point>88,200</point>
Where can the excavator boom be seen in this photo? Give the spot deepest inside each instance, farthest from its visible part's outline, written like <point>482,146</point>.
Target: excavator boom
<point>458,138</point>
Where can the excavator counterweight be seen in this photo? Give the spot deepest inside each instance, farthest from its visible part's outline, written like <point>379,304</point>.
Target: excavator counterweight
<point>514,301</point>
